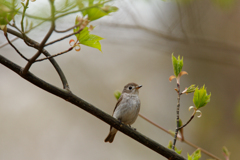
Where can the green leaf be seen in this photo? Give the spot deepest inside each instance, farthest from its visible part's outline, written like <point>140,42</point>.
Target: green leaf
<point>109,9</point>
<point>117,94</point>
<point>170,144</point>
<point>177,65</point>
<point>201,98</point>
<point>87,39</point>
<point>94,13</point>
<point>180,123</point>
<point>195,156</point>
<point>98,12</point>
<point>226,153</point>
<point>7,12</point>
<point>191,89</point>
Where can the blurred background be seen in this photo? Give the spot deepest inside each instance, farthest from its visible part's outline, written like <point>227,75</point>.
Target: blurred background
<point>139,41</point>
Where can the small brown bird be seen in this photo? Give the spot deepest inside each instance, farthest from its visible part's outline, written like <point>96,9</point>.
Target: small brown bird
<point>126,109</point>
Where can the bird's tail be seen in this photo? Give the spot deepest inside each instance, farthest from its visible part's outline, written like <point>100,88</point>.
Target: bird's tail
<point>111,135</point>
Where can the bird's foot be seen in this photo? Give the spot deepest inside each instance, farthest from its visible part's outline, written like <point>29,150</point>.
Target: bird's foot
<point>132,127</point>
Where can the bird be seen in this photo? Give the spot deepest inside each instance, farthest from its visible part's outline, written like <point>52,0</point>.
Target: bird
<point>126,109</point>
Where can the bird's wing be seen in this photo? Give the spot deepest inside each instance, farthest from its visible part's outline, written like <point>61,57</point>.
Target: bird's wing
<point>119,100</point>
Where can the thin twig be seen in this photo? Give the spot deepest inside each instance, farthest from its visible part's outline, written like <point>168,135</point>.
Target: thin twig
<point>177,119</point>
<point>47,54</point>
<point>64,14</point>
<point>3,45</point>
<point>187,122</point>
<point>203,150</point>
<point>68,8</point>
<point>35,17</point>
<point>55,55</point>
<point>180,138</point>
<point>83,9</point>
<point>62,38</point>
<point>6,35</point>
<point>66,30</point>
<point>23,15</point>
<point>33,59</point>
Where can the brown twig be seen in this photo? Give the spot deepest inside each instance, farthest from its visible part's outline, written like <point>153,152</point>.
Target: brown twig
<point>187,122</point>
<point>177,118</point>
<point>62,38</point>
<point>68,8</point>
<point>55,55</point>
<point>6,35</point>
<point>42,44</point>
<point>66,30</point>
<point>180,138</point>
<point>36,45</point>
<point>3,45</point>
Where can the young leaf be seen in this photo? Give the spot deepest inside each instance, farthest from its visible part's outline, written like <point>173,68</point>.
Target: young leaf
<point>117,94</point>
<point>170,144</point>
<point>96,13</point>
<point>201,98</point>
<point>87,39</point>
<point>177,65</point>
<point>109,9</point>
<point>6,14</point>
<point>190,89</point>
<point>226,153</point>
<point>195,156</point>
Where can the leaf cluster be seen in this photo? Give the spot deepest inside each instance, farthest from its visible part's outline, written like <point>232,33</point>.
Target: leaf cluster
<point>201,98</point>
<point>177,65</point>
<point>91,13</point>
<point>85,38</point>
<point>6,12</point>
<point>195,156</point>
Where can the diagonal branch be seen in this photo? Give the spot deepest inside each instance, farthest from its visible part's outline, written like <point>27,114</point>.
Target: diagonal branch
<point>70,97</point>
<point>6,35</point>
<point>33,59</point>
<point>55,55</point>
<point>180,138</point>
<point>62,38</point>
<point>36,45</point>
<point>66,30</point>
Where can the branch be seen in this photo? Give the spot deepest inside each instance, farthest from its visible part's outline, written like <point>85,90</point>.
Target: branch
<point>36,45</point>
<point>42,44</point>
<point>177,119</point>
<point>62,38</point>
<point>55,55</point>
<point>187,122</point>
<point>66,30</point>
<point>3,45</point>
<point>6,35</point>
<point>179,138</point>
<point>70,97</point>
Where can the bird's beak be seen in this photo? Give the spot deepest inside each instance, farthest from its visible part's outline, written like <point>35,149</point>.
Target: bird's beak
<point>139,86</point>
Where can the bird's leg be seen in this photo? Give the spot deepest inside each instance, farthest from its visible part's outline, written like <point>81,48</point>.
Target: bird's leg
<point>120,120</point>
<point>132,127</point>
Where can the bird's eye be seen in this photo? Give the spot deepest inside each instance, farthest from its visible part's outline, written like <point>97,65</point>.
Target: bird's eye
<point>130,88</point>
